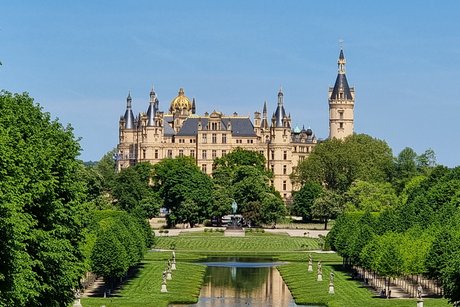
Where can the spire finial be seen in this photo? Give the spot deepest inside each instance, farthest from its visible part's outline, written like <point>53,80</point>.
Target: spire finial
<point>341,44</point>
<point>128,100</point>
<point>341,62</point>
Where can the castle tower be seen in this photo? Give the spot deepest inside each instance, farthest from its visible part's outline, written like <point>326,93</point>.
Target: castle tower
<point>153,108</point>
<point>341,104</point>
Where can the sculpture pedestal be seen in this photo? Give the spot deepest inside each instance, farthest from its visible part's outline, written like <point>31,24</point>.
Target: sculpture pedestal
<point>420,302</point>
<point>173,266</point>
<point>77,303</point>
<point>163,288</point>
<point>320,277</point>
<point>168,276</point>
<point>310,268</point>
<point>331,289</point>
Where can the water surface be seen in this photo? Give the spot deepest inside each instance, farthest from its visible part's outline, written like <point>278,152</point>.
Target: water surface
<point>243,282</point>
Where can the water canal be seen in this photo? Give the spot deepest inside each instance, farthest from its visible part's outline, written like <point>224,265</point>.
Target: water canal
<point>243,282</point>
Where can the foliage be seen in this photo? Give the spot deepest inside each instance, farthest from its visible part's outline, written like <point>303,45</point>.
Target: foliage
<point>242,173</point>
<point>121,241</point>
<point>42,209</point>
<point>304,198</point>
<point>337,163</point>
<point>179,183</point>
<point>370,196</point>
<point>133,193</point>
<point>328,205</point>
<point>225,167</point>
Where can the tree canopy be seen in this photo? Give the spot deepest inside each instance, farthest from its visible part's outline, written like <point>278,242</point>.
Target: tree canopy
<point>185,190</point>
<point>42,209</point>
<point>336,164</point>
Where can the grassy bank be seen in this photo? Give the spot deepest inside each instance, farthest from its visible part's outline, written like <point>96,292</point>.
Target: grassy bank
<point>348,293</point>
<point>144,288</point>
<point>251,243</point>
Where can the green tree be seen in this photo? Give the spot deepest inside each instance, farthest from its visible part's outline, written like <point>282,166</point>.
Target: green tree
<point>273,209</point>
<point>221,203</point>
<point>178,180</point>
<point>224,167</point>
<point>370,196</point>
<point>42,209</point>
<point>327,206</point>
<point>106,168</point>
<point>337,163</point>
<point>133,193</point>
<point>304,198</point>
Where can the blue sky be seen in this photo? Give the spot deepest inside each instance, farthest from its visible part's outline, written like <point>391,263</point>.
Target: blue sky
<point>79,59</point>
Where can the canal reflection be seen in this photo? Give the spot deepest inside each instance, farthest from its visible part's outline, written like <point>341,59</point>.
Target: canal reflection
<point>243,282</point>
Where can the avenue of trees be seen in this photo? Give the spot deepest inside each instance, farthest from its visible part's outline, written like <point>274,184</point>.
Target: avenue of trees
<point>397,216</point>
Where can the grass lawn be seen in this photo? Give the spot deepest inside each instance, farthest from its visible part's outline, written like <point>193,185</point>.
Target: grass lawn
<point>144,289</point>
<point>252,243</point>
<point>348,293</point>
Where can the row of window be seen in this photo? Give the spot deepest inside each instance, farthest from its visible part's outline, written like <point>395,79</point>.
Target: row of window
<point>204,138</point>
<point>285,154</point>
<point>285,169</point>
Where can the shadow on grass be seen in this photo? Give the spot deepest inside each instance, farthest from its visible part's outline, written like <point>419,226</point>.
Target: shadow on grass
<point>98,291</point>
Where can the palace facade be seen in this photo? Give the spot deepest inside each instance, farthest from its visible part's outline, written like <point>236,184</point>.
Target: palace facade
<point>155,134</point>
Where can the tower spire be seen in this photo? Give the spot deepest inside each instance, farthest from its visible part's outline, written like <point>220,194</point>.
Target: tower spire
<point>280,113</point>
<point>153,108</point>
<point>341,103</point>
<point>129,116</point>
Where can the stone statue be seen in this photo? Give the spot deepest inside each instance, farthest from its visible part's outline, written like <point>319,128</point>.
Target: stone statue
<point>310,263</point>
<point>319,267</point>
<point>234,207</point>
<point>419,291</point>
<point>331,278</point>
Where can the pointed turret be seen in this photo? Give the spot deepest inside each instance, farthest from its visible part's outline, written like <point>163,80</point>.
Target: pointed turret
<point>193,106</point>
<point>280,113</point>
<point>341,89</point>
<point>153,108</point>
<point>129,116</point>
<point>264,123</point>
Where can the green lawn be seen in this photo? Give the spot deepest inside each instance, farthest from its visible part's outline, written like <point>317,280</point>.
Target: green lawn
<point>251,243</point>
<point>348,293</point>
<point>144,289</point>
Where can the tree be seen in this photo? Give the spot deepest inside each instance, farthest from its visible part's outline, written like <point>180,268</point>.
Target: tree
<point>133,193</point>
<point>106,168</point>
<point>370,196</point>
<point>337,163</point>
<point>221,203</point>
<point>224,167</point>
<point>42,209</point>
<point>304,198</point>
<point>405,167</point>
<point>328,205</point>
<point>179,180</point>
<point>273,209</point>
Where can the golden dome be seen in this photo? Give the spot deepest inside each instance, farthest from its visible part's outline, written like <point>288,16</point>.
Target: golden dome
<point>180,102</point>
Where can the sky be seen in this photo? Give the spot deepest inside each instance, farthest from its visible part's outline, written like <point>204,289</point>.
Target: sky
<point>79,60</point>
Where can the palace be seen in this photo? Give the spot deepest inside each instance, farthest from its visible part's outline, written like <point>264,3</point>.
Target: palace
<point>155,135</point>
